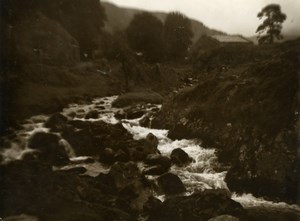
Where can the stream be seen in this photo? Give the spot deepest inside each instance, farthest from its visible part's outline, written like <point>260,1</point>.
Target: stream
<point>203,173</point>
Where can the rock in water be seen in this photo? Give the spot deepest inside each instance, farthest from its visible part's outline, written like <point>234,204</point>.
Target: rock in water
<point>124,174</point>
<point>180,157</point>
<point>56,122</point>
<point>82,141</point>
<point>48,145</point>
<point>93,114</point>
<point>130,184</point>
<point>152,139</point>
<point>170,184</point>
<point>160,164</point>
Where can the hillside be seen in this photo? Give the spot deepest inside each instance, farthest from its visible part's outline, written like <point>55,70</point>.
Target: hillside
<point>248,109</point>
<point>118,18</point>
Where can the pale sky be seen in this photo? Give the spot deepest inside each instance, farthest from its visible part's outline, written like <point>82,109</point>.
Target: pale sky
<point>230,16</point>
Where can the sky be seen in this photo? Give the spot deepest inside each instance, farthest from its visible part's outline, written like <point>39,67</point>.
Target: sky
<point>230,16</point>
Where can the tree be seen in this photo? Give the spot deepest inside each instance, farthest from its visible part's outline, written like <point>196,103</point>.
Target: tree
<point>144,34</point>
<point>272,24</point>
<point>177,35</point>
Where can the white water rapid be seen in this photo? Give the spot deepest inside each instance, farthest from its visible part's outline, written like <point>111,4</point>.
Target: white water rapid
<point>203,173</point>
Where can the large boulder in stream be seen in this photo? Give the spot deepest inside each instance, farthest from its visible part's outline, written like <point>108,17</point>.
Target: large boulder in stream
<point>140,149</point>
<point>56,122</point>
<point>180,157</point>
<point>49,147</point>
<point>92,114</point>
<point>197,207</point>
<point>170,184</point>
<point>159,164</point>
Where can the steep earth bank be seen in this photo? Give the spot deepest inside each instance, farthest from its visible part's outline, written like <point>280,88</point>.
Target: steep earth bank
<point>249,112</point>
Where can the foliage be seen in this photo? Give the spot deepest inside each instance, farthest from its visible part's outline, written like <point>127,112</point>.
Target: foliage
<point>145,35</point>
<point>177,35</point>
<point>272,25</point>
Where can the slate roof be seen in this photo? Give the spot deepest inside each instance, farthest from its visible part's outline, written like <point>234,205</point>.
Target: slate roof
<point>231,39</point>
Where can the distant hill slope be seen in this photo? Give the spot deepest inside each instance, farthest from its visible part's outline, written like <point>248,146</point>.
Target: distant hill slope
<point>118,18</point>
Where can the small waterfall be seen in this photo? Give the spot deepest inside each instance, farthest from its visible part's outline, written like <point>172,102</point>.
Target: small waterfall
<point>69,149</point>
<point>150,121</point>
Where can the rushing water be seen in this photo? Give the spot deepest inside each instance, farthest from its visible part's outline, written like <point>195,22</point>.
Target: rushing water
<point>203,173</point>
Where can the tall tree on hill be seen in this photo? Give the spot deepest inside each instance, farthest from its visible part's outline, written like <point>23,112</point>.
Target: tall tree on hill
<point>272,24</point>
<point>144,34</point>
<point>177,35</point>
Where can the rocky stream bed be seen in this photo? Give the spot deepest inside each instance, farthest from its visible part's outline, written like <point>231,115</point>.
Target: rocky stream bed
<point>94,161</point>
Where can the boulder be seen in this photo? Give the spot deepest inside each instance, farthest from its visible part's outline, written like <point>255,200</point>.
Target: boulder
<point>160,164</point>
<point>200,206</point>
<point>152,140</point>
<point>107,156</point>
<point>145,121</point>
<point>82,141</point>
<point>131,185</point>
<point>157,159</point>
<point>93,114</point>
<point>138,150</point>
<point>133,114</point>
<point>180,157</point>
<point>121,156</point>
<point>56,122</point>
<point>124,174</point>
<point>48,146</point>
<point>170,184</point>
<point>155,170</point>
<point>152,205</point>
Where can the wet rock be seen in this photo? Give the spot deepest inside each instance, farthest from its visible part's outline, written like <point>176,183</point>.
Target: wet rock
<point>93,114</point>
<point>145,121</point>
<point>134,114</point>
<point>152,140</point>
<point>107,156</point>
<point>120,115</point>
<point>224,218</point>
<point>160,164</point>
<point>49,147</point>
<point>121,156</point>
<point>170,184</point>
<point>124,174</point>
<point>155,170</point>
<point>138,150</point>
<point>180,157</point>
<point>82,141</point>
<point>157,159</point>
<point>56,122</point>
<point>31,156</point>
<point>72,114</point>
<point>131,184</point>
<point>152,205</point>
<point>198,207</point>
